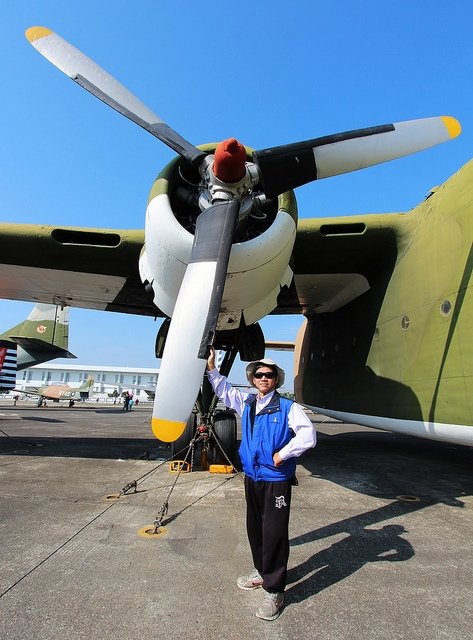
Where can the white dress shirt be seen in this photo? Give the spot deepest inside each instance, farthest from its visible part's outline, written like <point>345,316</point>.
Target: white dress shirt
<point>297,419</point>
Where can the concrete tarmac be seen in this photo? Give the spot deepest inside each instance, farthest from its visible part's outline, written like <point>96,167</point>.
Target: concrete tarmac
<point>381,536</point>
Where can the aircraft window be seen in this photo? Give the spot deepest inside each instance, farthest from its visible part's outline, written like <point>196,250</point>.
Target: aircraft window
<point>445,307</point>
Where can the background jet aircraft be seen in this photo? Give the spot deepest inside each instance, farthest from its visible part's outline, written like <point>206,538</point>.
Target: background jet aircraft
<point>43,336</point>
<point>387,297</point>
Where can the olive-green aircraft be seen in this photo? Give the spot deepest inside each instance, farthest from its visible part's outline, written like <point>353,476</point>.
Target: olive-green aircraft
<point>58,392</point>
<point>43,336</point>
<point>387,298</point>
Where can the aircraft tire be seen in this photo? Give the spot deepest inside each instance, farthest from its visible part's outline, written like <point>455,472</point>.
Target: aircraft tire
<point>179,446</point>
<point>225,430</point>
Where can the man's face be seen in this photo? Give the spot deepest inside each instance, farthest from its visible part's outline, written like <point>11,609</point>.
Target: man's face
<point>265,379</point>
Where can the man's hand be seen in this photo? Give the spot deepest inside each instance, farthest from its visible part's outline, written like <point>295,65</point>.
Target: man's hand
<point>277,460</point>
<point>211,359</point>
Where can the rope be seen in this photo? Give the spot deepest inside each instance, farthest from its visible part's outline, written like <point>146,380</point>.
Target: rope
<point>165,506</point>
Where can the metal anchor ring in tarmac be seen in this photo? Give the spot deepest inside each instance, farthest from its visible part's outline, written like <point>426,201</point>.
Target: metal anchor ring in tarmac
<point>114,496</point>
<point>149,531</point>
<point>408,498</point>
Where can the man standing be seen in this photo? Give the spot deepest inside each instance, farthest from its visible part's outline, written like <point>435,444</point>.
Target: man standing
<point>275,431</point>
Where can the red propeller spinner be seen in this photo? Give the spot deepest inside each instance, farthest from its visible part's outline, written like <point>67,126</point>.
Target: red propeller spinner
<point>229,162</point>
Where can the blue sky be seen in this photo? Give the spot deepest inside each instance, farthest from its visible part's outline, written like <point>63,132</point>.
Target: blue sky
<point>268,73</point>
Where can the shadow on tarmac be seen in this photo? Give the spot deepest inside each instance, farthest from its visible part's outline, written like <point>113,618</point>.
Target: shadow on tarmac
<point>413,473</point>
<point>343,558</point>
<point>80,447</point>
<point>410,473</point>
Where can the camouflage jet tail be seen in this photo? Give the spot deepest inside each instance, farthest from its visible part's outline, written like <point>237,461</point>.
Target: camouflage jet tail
<point>43,336</point>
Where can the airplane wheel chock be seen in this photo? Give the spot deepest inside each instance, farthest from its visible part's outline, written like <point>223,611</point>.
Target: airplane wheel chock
<point>176,466</point>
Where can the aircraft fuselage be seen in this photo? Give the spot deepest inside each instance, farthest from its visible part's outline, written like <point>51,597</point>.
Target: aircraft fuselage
<point>400,356</point>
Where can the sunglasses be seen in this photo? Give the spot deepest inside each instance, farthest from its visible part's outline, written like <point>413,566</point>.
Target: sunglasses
<point>265,374</point>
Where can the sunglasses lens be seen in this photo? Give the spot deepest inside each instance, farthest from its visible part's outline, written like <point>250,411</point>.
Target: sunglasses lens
<point>269,375</point>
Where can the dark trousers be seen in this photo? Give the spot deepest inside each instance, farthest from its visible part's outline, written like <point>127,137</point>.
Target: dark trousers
<point>267,524</point>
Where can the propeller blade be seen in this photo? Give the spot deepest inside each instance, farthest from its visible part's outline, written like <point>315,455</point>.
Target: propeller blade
<point>194,320</point>
<point>102,85</point>
<point>292,165</point>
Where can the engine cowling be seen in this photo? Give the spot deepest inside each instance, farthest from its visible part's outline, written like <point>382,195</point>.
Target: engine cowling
<point>259,260</point>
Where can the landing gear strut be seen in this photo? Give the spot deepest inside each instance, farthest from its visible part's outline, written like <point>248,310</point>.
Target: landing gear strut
<point>214,430</point>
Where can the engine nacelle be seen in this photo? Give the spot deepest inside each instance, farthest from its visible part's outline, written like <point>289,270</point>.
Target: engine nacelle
<point>259,260</point>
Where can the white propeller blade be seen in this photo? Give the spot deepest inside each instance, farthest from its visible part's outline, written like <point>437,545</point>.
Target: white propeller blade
<point>181,370</point>
<point>194,320</point>
<point>89,75</point>
<point>73,63</point>
<point>292,165</point>
<point>406,138</point>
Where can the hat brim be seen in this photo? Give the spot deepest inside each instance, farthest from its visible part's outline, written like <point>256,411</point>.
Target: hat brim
<point>251,369</point>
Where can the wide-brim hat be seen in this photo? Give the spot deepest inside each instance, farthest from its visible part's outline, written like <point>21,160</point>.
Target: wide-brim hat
<point>253,366</point>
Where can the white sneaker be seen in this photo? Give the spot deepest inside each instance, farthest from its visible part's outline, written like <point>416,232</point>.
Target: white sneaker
<point>253,581</point>
<point>271,606</point>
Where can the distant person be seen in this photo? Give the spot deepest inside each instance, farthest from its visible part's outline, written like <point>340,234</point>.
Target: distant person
<point>126,402</point>
<point>16,397</point>
<point>275,431</point>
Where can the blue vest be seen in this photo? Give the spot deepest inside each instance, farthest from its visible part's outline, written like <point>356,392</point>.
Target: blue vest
<point>262,436</point>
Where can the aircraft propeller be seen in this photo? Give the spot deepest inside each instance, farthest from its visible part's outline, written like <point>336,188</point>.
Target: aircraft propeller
<point>105,87</point>
<point>276,170</point>
<point>194,320</point>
